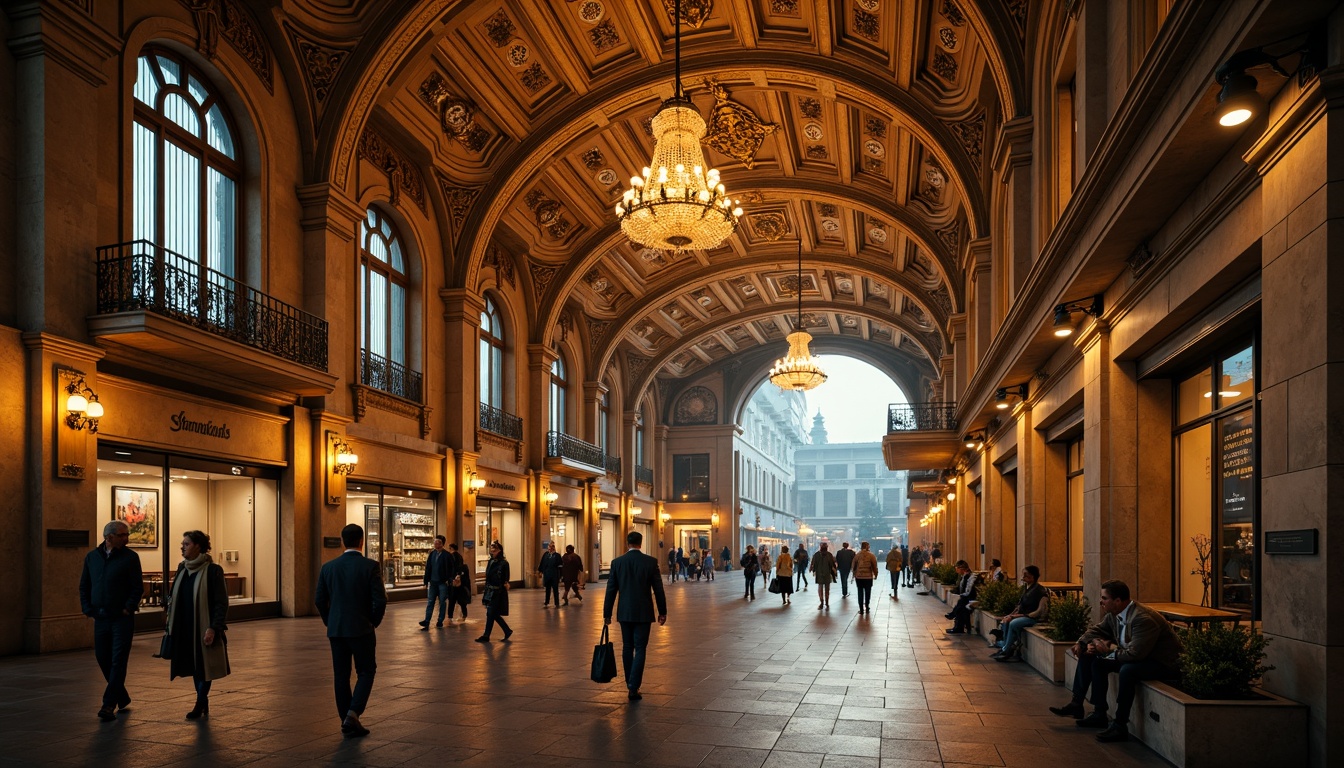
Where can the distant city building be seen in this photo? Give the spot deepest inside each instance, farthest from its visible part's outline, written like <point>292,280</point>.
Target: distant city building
<point>844,492</point>
<point>772,432</point>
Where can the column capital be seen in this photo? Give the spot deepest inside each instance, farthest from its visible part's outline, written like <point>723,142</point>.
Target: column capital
<point>62,34</point>
<point>326,206</point>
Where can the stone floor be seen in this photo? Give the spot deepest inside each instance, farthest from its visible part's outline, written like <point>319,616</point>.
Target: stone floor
<point>729,683</point>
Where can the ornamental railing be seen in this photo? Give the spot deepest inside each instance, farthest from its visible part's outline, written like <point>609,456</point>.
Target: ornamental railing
<point>562,446</point>
<point>912,417</point>
<point>500,422</point>
<point>390,376</point>
<point>142,276</point>
<point>613,464</point>
<point>643,475</point>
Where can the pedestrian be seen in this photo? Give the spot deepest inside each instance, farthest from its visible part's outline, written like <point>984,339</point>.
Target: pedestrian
<point>672,566</point>
<point>440,571</point>
<point>495,598</point>
<point>865,570</point>
<point>763,555</point>
<point>634,576</point>
<point>844,560</point>
<point>460,592</point>
<point>198,612</point>
<point>549,570</point>
<point>917,566</point>
<point>800,565</point>
<point>996,571</point>
<point>707,565</point>
<point>894,567</point>
<point>751,565</point>
<point>693,561</point>
<point>571,568</point>
<point>351,600</point>
<point>110,587</point>
<point>784,574</point>
<point>905,558</point>
<point>824,572</point>
<point>681,563</point>
<point>726,556</point>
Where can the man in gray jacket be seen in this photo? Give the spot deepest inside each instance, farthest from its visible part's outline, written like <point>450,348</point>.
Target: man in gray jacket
<point>351,599</point>
<point>1131,639</point>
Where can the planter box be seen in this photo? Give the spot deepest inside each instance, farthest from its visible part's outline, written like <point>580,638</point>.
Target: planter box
<point>942,592</point>
<point>1045,655</point>
<point>1198,733</point>
<point>987,621</point>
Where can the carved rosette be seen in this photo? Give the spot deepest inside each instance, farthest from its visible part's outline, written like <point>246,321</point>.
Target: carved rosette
<point>735,130</point>
<point>694,13</point>
<point>697,405</point>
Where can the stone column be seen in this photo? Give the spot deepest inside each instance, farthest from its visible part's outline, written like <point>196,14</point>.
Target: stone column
<point>330,290</point>
<point>462,320</point>
<point>539,359</point>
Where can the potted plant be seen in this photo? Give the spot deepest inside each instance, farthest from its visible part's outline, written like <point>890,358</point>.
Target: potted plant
<point>993,600</point>
<point>1045,647</point>
<point>1068,618</point>
<point>1222,662</point>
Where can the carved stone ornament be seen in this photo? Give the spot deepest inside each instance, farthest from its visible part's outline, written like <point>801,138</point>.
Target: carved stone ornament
<point>368,397</point>
<point>952,11</point>
<point>636,364</point>
<point>402,175</point>
<point>735,130</point>
<point>541,278</point>
<point>950,236</point>
<point>697,405</point>
<point>230,20</point>
<point>809,107</point>
<point>597,332</point>
<point>865,24</point>
<point>784,7</point>
<point>943,299</point>
<point>770,226</point>
<point>875,127</point>
<point>485,437</point>
<point>502,263</point>
<point>500,29</point>
<point>604,36</point>
<point>593,159</point>
<point>944,66</point>
<point>1139,260</point>
<point>694,13</point>
<point>457,116</point>
<point>458,199</point>
<point>534,78</point>
<point>1018,10</point>
<point>971,134</point>
<point>321,64</point>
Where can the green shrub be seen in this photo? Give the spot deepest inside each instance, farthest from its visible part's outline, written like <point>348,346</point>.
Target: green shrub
<point>999,597</point>
<point>1221,661</point>
<point>943,573</point>
<point>1069,617</point>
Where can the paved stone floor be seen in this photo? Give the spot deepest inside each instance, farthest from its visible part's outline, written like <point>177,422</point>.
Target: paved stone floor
<point>729,683</point>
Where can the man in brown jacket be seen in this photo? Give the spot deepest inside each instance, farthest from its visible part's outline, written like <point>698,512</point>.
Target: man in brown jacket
<point>1131,639</point>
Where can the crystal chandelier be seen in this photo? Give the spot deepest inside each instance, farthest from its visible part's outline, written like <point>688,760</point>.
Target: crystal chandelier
<point>677,204</point>
<point>798,371</point>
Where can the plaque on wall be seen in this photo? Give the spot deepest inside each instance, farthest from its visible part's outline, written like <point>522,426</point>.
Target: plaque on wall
<point>331,542</point>
<point>59,537</point>
<point>1299,542</point>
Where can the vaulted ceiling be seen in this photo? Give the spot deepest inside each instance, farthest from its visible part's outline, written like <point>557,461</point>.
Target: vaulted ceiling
<point>852,129</point>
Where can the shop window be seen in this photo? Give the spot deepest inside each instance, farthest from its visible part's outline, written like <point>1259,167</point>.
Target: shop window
<point>399,527</point>
<point>559,393</point>
<point>500,521</point>
<point>1217,514</point>
<point>1075,508</point>
<point>492,355</point>
<point>690,477</point>
<point>162,496</point>
<point>383,295</point>
<point>185,164</point>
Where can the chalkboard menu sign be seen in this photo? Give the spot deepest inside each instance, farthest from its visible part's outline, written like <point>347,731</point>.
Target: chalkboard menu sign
<point>1238,467</point>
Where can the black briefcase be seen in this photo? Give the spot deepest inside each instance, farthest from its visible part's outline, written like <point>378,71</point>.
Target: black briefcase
<point>604,659</point>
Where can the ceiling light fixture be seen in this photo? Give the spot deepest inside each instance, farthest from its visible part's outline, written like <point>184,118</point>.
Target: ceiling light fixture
<point>677,204</point>
<point>1002,394</point>
<point>798,371</point>
<point>1064,313</point>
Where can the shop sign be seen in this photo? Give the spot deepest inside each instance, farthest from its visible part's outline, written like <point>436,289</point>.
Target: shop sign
<point>182,423</point>
<point>1299,542</point>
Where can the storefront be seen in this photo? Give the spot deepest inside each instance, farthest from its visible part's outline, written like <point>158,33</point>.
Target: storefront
<point>499,516</point>
<point>610,542</point>
<point>564,525</point>
<point>170,463</point>
<point>399,528</point>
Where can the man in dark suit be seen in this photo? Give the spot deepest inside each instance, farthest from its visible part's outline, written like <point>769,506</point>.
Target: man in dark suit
<point>633,575</point>
<point>351,599</point>
<point>440,571</point>
<point>110,588</point>
<point>1131,639</point>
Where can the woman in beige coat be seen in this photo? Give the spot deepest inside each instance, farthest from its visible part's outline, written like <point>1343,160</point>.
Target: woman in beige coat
<point>784,574</point>
<point>894,567</point>
<point>865,570</point>
<point>197,614</point>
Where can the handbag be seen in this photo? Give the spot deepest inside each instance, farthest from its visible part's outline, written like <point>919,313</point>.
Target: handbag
<point>488,595</point>
<point>165,647</point>
<point>604,659</point>
<point>774,586</point>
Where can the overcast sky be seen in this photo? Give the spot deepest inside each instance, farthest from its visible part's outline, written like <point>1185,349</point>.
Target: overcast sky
<point>854,401</point>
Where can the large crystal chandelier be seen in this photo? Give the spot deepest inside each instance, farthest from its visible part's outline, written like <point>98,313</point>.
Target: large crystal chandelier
<point>798,371</point>
<point>677,204</point>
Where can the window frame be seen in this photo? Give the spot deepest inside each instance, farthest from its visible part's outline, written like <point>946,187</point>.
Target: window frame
<point>492,351</point>
<point>559,394</point>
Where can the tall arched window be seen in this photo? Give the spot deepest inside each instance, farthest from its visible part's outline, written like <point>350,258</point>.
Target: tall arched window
<point>185,165</point>
<point>603,420</point>
<point>383,292</point>
<point>492,356</point>
<point>558,387</point>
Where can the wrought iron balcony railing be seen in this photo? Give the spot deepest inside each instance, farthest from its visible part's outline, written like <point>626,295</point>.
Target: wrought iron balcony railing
<point>500,422</point>
<point>613,465</point>
<point>643,475</point>
<point>141,276</point>
<point>391,377</point>
<point>562,446</point>
<point>912,417</point>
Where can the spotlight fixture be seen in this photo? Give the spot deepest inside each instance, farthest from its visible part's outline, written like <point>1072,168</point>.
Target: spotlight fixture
<point>82,409</point>
<point>1064,313</point>
<point>1002,394</point>
<point>975,439</point>
<point>1238,100</point>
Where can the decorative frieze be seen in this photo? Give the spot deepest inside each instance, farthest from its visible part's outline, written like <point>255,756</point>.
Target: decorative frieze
<point>402,175</point>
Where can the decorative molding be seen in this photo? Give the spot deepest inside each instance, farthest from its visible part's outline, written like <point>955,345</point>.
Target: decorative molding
<point>694,13</point>
<point>866,24</point>
<point>734,129</point>
<point>944,66</point>
<point>810,107</point>
<point>541,278</point>
<point>457,116</point>
<point>244,34</point>
<point>1140,259</point>
<point>1018,10</point>
<point>952,12</point>
<point>875,127</point>
<point>971,134</point>
<point>503,264</point>
<point>368,397</point>
<point>402,175</point>
<point>636,364</point>
<point>549,214</point>
<point>604,36</point>
<point>597,332</point>
<point>534,78</point>
<point>484,437</point>
<point>950,236</point>
<point>500,29</point>
<point>458,199</point>
<point>697,405</point>
<point>784,7</point>
<point>769,226</point>
<point>321,64</point>
<point>943,299</point>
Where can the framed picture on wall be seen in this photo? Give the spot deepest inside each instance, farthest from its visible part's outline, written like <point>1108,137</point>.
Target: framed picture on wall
<point>138,508</point>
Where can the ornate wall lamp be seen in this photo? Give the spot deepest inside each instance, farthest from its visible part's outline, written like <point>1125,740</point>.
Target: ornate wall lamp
<point>714,517</point>
<point>1064,313</point>
<point>345,457</point>
<point>341,463</point>
<point>549,496</point>
<point>601,505</point>
<point>82,409</point>
<point>1002,394</point>
<point>666,518</point>
<point>474,483</point>
<point>634,510</point>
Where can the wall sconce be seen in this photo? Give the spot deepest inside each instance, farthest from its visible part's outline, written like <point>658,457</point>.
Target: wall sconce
<point>344,456</point>
<point>1002,394</point>
<point>82,409</point>
<point>1238,100</point>
<point>666,517</point>
<point>975,440</point>
<point>549,496</point>
<point>634,510</point>
<point>600,505</point>
<point>1064,313</point>
<point>474,483</point>
<point>714,521</point>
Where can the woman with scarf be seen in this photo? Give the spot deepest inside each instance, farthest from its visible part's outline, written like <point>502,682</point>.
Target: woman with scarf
<point>197,613</point>
<point>496,594</point>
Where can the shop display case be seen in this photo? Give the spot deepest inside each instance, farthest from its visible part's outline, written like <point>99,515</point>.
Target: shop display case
<point>412,540</point>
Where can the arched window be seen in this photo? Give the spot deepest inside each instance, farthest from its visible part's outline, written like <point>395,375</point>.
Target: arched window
<point>558,387</point>
<point>492,356</point>
<point>639,440</point>
<point>185,166</point>
<point>603,420</point>
<point>383,291</point>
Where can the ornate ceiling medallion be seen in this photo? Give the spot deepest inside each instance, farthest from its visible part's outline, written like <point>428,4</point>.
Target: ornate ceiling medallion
<point>813,131</point>
<point>693,13</point>
<point>734,129</point>
<point>591,11</point>
<point>770,226</point>
<point>874,148</point>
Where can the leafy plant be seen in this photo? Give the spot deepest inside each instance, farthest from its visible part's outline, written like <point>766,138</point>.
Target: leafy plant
<point>1069,617</point>
<point>943,573</point>
<point>1221,661</point>
<point>999,597</point>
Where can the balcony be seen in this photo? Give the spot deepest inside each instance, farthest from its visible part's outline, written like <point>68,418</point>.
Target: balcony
<point>614,467</point>
<point>572,457</point>
<point>498,427</point>
<point>920,436</point>
<point>157,308</point>
<point>643,476</point>
<point>391,377</point>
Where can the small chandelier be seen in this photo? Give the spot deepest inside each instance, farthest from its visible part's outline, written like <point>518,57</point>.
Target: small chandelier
<point>677,204</point>
<point>798,371</point>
